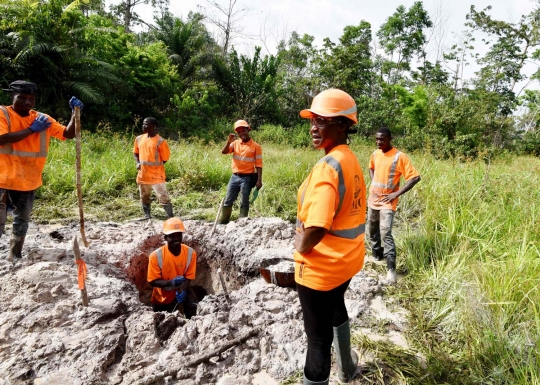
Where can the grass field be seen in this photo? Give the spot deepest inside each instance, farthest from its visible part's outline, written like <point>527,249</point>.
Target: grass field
<point>468,239</point>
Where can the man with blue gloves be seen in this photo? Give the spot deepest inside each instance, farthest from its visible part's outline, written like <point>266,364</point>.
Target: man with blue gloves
<point>24,142</point>
<point>171,268</point>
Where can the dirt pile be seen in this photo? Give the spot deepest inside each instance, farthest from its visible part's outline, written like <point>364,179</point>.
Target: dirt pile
<point>47,337</point>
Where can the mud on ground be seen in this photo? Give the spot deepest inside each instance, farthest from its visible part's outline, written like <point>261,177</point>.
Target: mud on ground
<point>48,337</point>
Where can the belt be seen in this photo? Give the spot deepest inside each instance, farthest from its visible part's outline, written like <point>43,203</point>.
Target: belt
<point>240,174</point>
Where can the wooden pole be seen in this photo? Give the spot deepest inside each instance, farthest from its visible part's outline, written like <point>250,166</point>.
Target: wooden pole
<point>78,176</point>
<point>223,285</point>
<point>217,216</point>
<point>77,254</point>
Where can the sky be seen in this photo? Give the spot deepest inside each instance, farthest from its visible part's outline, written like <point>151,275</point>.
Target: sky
<point>269,21</point>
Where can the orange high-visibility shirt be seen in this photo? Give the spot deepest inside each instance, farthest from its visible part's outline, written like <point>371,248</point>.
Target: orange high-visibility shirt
<point>246,156</point>
<point>172,266</point>
<point>334,197</point>
<point>22,163</point>
<point>388,168</point>
<point>152,153</point>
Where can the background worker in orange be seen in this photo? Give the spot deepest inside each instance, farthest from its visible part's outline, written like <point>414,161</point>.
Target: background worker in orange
<point>386,166</point>
<point>329,238</point>
<point>171,268</point>
<point>151,152</point>
<point>24,143</point>
<point>247,169</point>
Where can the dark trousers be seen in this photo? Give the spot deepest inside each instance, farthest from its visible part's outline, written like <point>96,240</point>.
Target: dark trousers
<point>22,203</point>
<point>241,183</point>
<point>322,311</point>
<point>188,307</point>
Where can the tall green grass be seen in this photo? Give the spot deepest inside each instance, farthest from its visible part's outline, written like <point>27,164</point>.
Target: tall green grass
<point>468,239</point>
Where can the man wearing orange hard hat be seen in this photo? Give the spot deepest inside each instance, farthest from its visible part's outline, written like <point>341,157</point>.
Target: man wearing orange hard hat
<point>247,169</point>
<point>171,268</point>
<point>329,238</point>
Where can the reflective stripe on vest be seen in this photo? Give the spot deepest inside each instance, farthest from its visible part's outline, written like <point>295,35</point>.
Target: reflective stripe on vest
<point>156,155</point>
<point>244,158</point>
<point>159,256</point>
<point>7,149</point>
<point>391,175</point>
<point>350,233</point>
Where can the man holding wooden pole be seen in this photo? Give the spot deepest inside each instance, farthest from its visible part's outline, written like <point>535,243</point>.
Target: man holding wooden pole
<point>24,143</point>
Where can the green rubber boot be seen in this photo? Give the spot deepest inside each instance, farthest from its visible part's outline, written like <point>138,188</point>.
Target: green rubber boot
<point>243,213</point>
<point>15,246</point>
<point>146,211</point>
<point>168,210</point>
<point>346,358</point>
<point>226,212</point>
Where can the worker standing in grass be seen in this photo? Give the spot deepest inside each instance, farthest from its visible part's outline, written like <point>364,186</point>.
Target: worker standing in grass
<point>386,166</point>
<point>151,152</point>
<point>24,143</point>
<point>329,238</point>
<point>171,268</point>
<point>247,169</point>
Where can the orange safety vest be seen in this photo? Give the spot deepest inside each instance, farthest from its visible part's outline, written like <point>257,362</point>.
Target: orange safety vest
<point>333,197</point>
<point>153,152</point>
<point>246,156</point>
<point>162,264</point>
<point>22,163</point>
<point>388,168</point>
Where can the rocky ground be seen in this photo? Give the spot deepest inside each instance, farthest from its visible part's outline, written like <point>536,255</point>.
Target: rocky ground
<point>48,337</point>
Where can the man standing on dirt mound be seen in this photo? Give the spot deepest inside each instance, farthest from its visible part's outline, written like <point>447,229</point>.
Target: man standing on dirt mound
<point>171,268</point>
<point>247,170</point>
<point>386,166</point>
<point>329,238</point>
<point>151,152</point>
<point>24,143</point>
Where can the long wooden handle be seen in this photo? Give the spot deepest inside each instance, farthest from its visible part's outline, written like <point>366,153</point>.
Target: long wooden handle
<point>77,255</point>
<point>78,176</point>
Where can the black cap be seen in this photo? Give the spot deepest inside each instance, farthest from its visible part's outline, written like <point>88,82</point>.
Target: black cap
<point>23,87</point>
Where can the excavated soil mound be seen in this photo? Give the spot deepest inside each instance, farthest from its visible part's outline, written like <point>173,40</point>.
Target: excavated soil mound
<point>48,337</point>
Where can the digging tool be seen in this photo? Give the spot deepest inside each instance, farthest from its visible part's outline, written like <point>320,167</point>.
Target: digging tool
<point>254,195</point>
<point>217,216</point>
<point>78,166</point>
<point>224,287</point>
<point>81,272</point>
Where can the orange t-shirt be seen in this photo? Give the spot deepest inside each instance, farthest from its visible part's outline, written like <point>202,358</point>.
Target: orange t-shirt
<point>22,166</point>
<point>246,156</point>
<point>152,153</point>
<point>334,197</point>
<point>388,168</point>
<point>173,266</point>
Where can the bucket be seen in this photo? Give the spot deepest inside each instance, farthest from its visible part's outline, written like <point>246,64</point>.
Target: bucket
<point>279,271</point>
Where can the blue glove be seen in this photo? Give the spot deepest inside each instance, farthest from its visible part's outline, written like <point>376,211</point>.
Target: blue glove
<point>181,296</point>
<point>41,123</point>
<point>177,281</point>
<point>74,102</point>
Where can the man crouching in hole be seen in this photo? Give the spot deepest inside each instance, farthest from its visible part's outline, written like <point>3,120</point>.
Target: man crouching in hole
<point>171,268</point>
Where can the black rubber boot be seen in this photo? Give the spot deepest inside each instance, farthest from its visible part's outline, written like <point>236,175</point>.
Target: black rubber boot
<point>309,382</point>
<point>168,209</point>
<point>346,358</point>
<point>226,212</point>
<point>15,246</point>
<point>243,213</point>
<point>146,210</point>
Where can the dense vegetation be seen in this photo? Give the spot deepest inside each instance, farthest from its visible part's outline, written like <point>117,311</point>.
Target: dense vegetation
<point>175,70</point>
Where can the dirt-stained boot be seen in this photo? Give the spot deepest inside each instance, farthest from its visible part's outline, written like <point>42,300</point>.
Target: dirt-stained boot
<point>15,246</point>
<point>309,382</point>
<point>226,212</point>
<point>168,209</point>
<point>346,358</point>
<point>146,210</point>
<point>243,213</point>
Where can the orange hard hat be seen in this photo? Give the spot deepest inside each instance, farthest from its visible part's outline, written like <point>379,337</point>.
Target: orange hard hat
<point>241,123</point>
<point>330,103</point>
<point>173,225</point>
